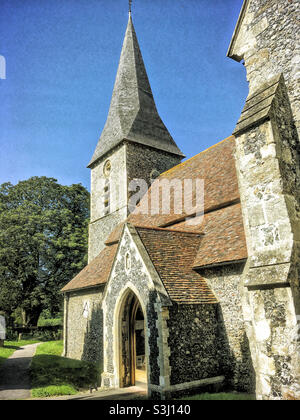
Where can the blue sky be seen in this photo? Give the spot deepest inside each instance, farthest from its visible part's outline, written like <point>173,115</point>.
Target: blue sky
<point>61,62</point>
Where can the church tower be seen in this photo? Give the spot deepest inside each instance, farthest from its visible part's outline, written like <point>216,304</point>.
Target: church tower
<point>134,144</point>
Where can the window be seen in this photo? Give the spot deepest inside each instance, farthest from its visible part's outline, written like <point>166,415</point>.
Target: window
<point>106,197</point>
<point>127,262</point>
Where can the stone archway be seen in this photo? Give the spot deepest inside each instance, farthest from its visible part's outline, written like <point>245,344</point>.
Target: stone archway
<point>131,342</point>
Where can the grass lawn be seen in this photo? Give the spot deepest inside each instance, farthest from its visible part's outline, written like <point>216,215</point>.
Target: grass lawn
<point>52,374</point>
<point>222,397</point>
<point>11,346</point>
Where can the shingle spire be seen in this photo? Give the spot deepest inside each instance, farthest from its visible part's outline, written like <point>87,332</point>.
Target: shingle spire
<point>132,114</point>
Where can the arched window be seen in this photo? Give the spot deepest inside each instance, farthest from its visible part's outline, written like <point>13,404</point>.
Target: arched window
<point>127,262</point>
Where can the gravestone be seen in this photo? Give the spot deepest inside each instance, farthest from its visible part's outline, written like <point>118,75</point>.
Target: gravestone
<point>2,330</point>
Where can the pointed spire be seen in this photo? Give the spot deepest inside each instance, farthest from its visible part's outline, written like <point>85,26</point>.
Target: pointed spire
<point>132,114</point>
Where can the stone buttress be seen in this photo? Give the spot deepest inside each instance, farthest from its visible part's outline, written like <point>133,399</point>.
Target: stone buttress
<point>267,158</point>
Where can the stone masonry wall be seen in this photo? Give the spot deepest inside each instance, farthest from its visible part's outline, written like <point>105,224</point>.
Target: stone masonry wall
<point>233,345</point>
<point>138,281</point>
<point>269,44</point>
<point>101,229</point>
<point>193,343</point>
<point>108,198</point>
<point>268,170</point>
<point>272,265</point>
<point>274,336</point>
<point>142,161</point>
<point>117,188</point>
<point>84,325</point>
<point>110,195</point>
<point>267,157</point>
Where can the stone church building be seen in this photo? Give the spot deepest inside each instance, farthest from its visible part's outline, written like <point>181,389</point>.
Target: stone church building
<point>194,301</point>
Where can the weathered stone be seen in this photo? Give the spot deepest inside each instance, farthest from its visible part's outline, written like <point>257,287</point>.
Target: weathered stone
<point>268,47</point>
<point>249,332</point>
<point>267,137</point>
<point>83,320</point>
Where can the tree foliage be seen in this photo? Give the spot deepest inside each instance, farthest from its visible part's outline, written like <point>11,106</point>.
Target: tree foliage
<point>43,243</point>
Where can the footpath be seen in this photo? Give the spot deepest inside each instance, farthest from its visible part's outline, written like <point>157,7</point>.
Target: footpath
<point>15,382</point>
<point>14,374</point>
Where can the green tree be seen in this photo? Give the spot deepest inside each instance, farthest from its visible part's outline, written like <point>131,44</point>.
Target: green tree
<point>43,243</point>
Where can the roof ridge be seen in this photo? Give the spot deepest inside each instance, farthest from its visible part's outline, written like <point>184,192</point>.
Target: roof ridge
<point>205,212</point>
<point>168,230</point>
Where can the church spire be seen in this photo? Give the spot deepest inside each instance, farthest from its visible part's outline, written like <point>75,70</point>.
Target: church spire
<point>132,114</point>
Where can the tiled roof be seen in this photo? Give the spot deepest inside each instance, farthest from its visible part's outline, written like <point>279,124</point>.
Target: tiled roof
<point>175,252</point>
<point>172,254</point>
<point>216,166</point>
<point>96,272</point>
<point>224,237</point>
<point>115,234</point>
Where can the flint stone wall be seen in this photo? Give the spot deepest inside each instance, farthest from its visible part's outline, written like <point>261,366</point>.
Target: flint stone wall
<point>142,161</point>
<point>233,346</point>
<point>112,190</point>
<point>84,326</point>
<point>268,167</point>
<point>139,280</point>
<point>267,156</point>
<point>101,229</point>
<point>268,44</point>
<point>110,195</point>
<point>193,342</point>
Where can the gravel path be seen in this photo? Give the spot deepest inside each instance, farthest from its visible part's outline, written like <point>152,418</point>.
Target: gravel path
<point>14,374</point>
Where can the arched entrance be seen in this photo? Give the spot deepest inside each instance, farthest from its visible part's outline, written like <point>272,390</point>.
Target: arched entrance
<point>132,345</point>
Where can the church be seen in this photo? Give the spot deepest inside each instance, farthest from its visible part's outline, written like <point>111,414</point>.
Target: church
<point>195,298</point>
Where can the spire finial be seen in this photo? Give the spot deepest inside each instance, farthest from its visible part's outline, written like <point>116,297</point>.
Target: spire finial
<point>130,2</point>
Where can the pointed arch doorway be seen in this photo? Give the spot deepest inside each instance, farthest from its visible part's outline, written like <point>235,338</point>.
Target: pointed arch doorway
<point>132,342</point>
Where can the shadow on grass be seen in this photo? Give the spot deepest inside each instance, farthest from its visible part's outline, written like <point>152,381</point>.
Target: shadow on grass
<point>11,347</point>
<point>55,370</point>
<point>6,351</point>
